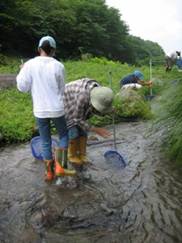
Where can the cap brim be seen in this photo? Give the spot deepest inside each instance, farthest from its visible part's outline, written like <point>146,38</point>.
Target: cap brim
<point>101,109</point>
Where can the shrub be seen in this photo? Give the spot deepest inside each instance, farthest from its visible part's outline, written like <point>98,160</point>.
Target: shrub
<point>129,103</point>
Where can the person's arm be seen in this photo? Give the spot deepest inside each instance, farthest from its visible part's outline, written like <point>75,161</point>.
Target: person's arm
<point>145,83</point>
<point>23,79</point>
<point>100,131</point>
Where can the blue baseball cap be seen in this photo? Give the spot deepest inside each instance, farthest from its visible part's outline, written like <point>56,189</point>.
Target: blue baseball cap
<point>138,74</point>
<point>48,38</point>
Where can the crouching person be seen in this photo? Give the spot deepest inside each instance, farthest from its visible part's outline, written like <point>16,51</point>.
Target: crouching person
<point>134,80</point>
<point>43,76</point>
<point>84,98</point>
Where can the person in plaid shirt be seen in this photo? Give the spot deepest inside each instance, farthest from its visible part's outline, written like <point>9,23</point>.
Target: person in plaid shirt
<point>82,99</point>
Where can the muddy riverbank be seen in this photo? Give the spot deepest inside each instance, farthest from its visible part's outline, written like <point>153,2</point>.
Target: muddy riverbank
<point>141,203</point>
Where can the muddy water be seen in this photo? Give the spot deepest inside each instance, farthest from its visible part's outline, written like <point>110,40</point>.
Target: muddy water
<point>141,203</point>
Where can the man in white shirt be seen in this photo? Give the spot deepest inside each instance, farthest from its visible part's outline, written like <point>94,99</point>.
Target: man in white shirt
<point>43,76</point>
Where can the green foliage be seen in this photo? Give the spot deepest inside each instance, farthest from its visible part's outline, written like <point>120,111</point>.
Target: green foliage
<point>100,120</point>
<point>129,103</point>
<point>16,119</point>
<point>79,27</point>
<point>170,114</point>
<point>142,51</point>
<point>16,123</point>
<point>9,64</point>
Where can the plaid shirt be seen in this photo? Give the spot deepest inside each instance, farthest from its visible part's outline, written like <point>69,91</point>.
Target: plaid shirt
<point>77,102</point>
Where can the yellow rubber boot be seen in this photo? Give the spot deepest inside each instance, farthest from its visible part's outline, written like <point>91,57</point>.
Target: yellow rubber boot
<point>83,148</point>
<point>74,151</point>
<point>49,173</point>
<point>61,163</point>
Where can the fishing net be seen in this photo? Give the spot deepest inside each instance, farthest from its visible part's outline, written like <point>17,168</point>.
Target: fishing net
<point>36,147</point>
<point>114,158</point>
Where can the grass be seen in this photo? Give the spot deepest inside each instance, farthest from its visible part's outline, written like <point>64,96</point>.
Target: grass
<point>170,116</point>
<point>17,122</point>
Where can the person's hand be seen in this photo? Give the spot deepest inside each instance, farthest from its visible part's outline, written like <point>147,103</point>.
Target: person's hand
<point>149,83</point>
<point>21,66</point>
<point>101,131</point>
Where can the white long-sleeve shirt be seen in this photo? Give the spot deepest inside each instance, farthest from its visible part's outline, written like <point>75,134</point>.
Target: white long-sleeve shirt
<point>44,78</point>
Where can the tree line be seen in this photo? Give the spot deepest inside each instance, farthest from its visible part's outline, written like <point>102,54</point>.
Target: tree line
<point>79,27</point>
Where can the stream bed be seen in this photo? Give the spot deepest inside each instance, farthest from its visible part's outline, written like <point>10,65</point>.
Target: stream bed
<point>138,204</point>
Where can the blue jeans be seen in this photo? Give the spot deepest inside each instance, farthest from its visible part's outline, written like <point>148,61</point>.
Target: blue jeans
<point>75,132</point>
<point>44,125</point>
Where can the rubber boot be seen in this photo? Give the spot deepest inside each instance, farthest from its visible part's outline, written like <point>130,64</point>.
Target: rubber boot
<point>61,163</point>
<point>84,174</point>
<point>73,152</point>
<point>83,146</point>
<point>49,173</point>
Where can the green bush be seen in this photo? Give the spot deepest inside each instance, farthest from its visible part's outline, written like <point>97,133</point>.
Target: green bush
<point>9,64</point>
<point>130,104</point>
<point>17,122</point>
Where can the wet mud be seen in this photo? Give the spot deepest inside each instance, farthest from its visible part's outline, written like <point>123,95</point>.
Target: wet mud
<point>140,203</point>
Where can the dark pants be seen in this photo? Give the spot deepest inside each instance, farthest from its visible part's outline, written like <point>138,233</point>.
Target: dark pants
<point>76,132</point>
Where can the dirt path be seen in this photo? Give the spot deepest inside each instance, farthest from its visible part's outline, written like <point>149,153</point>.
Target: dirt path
<point>141,203</point>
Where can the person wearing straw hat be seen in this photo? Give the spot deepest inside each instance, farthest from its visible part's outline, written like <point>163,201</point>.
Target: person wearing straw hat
<point>43,76</point>
<point>134,80</point>
<point>84,98</point>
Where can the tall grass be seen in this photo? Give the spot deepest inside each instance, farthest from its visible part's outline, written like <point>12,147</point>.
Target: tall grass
<point>171,116</point>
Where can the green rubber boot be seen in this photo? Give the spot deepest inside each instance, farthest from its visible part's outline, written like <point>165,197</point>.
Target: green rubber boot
<point>61,163</point>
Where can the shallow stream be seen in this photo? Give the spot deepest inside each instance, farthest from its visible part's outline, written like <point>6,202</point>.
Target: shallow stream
<point>139,204</point>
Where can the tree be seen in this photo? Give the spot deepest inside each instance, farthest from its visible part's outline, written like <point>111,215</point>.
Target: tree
<point>79,26</point>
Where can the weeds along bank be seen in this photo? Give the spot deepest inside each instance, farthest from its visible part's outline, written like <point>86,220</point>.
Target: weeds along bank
<point>17,123</point>
<point>170,116</point>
